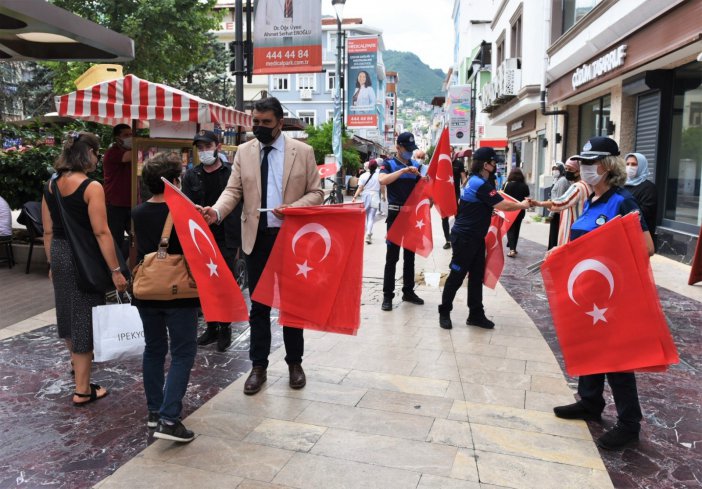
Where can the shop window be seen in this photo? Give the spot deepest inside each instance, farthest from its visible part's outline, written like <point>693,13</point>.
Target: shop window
<point>574,10</point>
<point>594,117</point>
<point>683,204</point>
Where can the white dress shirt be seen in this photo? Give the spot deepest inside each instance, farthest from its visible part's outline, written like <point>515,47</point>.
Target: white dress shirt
<point>276,165</point>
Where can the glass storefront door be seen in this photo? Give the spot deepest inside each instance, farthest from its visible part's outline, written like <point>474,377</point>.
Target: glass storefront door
<point>594,116</point>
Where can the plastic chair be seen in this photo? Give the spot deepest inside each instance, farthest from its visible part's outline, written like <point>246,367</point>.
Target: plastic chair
<point>6,243</point>
<point>30,217</point>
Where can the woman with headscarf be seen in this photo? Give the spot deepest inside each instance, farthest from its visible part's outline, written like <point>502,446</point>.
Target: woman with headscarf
<point>571,203</point>
<point>643,189</point>
<point>559,187</point>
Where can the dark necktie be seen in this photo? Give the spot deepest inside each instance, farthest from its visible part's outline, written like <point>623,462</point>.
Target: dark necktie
<point>263,222</point>
<point>288,12</point>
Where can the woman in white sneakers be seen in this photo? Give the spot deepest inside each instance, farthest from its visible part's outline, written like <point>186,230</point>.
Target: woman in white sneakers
<point>369,189</point>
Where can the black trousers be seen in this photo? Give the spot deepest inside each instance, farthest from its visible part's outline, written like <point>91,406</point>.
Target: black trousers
<point>468,258</point>
<point>118,220</point>
<point>513,233</point>
<point>445,228</point>
<point>392,256</point>
<point>260,314</point>
<point>553,230</point>
<point>626,397</point>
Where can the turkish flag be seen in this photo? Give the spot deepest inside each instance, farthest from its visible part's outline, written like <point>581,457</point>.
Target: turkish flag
<point>327,170</point>
<point>604,303</point>
<point>314,272</point>
<point>220,295</point>
<point>412,226</point>
<point>443,190</point>
<point>494,252</point>
<point>508,217</point>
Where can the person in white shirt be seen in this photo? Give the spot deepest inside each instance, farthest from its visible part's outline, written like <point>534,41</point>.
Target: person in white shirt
<point>5,218</point>
<point>369,188</point>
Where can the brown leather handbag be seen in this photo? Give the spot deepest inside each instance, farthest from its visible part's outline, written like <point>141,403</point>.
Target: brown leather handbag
<point>161,276</point>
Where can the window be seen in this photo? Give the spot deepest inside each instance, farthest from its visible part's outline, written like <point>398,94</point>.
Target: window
<point>331,81</point>
<point>594,117</point>
<point>308,116</point>
<point>500,49</point>
<point>306,81</point>
<point>330,115</point>
<point>574,10</point>
<point>516,38</point>
<point>280,83</point>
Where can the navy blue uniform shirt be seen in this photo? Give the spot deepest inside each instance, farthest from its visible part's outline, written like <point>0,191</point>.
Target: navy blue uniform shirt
<point>614,202</point>
<point>475,208</point>
<point>400,189</point>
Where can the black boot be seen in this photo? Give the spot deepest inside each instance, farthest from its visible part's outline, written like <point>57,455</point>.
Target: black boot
<point>224,337</point>
<point>210,334</point>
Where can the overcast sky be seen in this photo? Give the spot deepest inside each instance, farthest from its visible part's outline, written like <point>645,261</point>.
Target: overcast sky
<point>419,26</point>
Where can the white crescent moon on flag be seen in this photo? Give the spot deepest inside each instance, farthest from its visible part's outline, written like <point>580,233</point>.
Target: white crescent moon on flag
<point>420,204</point>
<point>584,266</point>
<point>314,227</point>
<point>442,157</point>
<point>493,230</point>
<point>193,226</point>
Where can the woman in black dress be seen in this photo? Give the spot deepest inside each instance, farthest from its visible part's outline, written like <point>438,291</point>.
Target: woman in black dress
<point>517,188</point>
<point>643,189</point>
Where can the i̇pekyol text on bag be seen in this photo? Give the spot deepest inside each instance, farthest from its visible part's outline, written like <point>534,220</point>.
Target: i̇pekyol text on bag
<point>118,332</point>
<point>161,276</point>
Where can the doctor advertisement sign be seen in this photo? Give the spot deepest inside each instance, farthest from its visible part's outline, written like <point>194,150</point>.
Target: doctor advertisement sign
<point>287,36</point>
<point>459,114</point>
<point>362,83</point>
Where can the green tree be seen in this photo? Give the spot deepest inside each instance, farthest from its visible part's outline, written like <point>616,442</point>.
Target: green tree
<point>170,36</point>
<point>320,138</point>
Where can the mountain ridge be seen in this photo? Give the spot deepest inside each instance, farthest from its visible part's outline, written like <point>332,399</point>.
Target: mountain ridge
<point>416,79</point>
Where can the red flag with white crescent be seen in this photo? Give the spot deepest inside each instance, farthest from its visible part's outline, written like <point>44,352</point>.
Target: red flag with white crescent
<point>220,296</point>
<point>443,190</point>
<point>604,303</point>
<point>508,217</point>
<point>327,170</point>
<point>314,272</point>
<point>411,229</point>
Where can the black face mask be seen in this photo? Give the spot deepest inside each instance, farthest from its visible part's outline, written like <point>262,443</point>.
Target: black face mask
<point>571,176</point>
<point>264,134</point>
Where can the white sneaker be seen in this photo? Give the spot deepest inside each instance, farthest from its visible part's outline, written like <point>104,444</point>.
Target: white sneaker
<point>368,239</point>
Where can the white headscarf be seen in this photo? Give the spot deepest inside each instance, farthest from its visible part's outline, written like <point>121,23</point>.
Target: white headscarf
<point>642,172</point>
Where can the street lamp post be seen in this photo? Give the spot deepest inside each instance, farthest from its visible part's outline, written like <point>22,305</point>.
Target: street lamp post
<point>338,123</point>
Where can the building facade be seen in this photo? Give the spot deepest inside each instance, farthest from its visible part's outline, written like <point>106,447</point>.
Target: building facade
<point>629,70</point>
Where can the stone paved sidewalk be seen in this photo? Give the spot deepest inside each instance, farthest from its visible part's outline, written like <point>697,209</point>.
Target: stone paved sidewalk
<point>404,404</point>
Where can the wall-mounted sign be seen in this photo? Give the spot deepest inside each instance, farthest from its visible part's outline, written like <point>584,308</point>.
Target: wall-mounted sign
<point>526,123</point>
<point>362,82</point>
<point>589,71</point>
<point>459,110</point>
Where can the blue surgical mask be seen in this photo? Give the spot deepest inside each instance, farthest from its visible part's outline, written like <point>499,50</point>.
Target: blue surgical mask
<point>406,155</point>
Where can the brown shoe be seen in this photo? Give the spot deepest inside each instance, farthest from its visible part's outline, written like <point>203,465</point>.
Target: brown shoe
<point>297,376</point>
<point>255,381</point>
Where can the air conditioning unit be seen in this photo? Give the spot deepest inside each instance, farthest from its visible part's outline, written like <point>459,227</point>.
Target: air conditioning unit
<point>306,94</point>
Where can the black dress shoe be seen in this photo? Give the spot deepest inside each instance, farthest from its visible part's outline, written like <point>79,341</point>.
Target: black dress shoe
<point>617,438</point>
<point>255,381</point>
<point>297,376</point>
<point>447,246</point>
<point>481,322</point>
<point>209,336</point>
<point>445,322</point>
<point>224,337</point>
<point>387,304</point>
<point>576,411</point>
<point>412,298</point>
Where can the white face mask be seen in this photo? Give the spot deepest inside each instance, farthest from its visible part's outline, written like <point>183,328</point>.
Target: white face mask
<point>555,174</point>
<point>631,172</point>
<point>589,174</point>
<point>127,143</point>
<point>207,158</point>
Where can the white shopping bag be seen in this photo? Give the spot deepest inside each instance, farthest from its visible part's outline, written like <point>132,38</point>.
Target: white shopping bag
<point>117,332</point>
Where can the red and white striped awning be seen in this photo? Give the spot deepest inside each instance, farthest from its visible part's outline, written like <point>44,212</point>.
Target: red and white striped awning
<point>123,100</point>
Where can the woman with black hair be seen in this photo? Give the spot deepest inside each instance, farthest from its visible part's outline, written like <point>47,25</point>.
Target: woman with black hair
<point>369,189</point>
<point>517,188</point>
<point>83,200</point>
<point>364,95</point>
<point>559,187</point>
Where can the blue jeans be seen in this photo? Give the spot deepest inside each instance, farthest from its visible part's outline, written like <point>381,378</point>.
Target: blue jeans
<point>165,396</point>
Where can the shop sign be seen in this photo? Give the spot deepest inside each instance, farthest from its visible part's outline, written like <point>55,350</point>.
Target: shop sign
<point>362,82</point>
<point>523,125</point>
<point>459,111</point>
<point>505,84</point>
<point>590,71</point>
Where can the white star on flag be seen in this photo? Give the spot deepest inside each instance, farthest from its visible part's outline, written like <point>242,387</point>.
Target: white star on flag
<point>213,268</point>
<point>420,224</point>
<point>597,314</point>
<point>302,269</point>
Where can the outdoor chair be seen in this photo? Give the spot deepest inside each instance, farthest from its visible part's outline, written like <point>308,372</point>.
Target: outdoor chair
<point>30,217</point>
<point>8,256</point>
